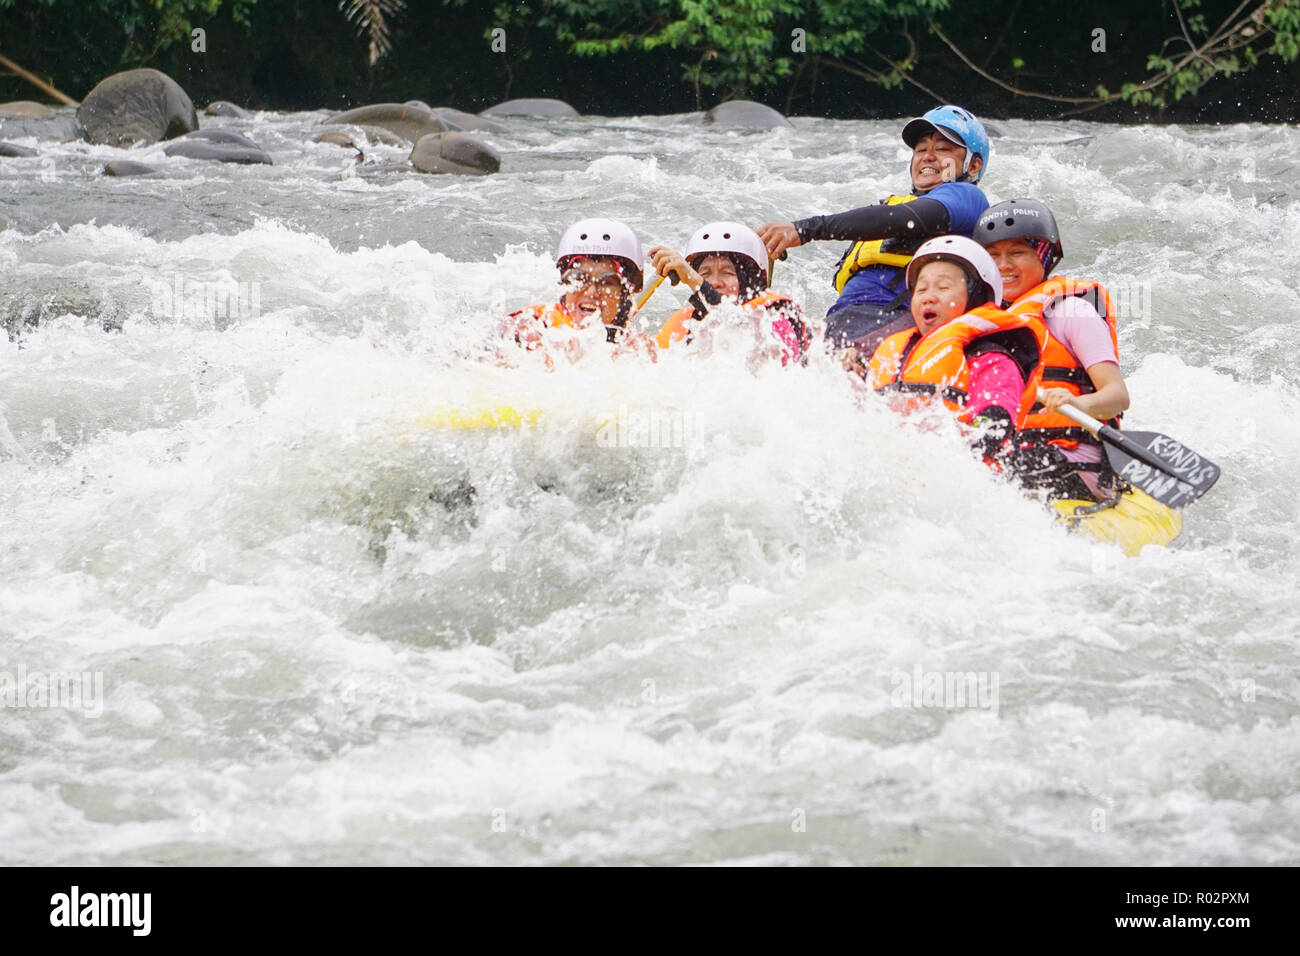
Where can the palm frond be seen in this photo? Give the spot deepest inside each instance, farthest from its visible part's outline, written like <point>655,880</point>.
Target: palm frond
<point>372,18</point>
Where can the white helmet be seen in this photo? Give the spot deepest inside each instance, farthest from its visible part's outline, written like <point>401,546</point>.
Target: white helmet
<point>967,252</point>
<point>729,237</point>
<point>604,238</point>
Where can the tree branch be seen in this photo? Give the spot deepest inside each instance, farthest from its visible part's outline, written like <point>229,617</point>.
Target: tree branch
<point>1007,86</point>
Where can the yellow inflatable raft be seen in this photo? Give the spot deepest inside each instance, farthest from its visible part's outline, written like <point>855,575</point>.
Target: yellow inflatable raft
<point>1132,520</point>
<point>498,416</point>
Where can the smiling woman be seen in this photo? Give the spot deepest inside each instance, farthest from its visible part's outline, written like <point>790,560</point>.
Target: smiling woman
<point>600,265</point>
<point>1081,362</point>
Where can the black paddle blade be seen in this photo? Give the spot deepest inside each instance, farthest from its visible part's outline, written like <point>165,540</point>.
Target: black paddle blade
<point>1166,469</point>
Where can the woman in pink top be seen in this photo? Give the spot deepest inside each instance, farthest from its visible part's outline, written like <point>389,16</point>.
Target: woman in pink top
<point>1081,362</point>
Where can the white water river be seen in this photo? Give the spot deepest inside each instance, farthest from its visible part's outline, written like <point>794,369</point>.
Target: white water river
<point>328,634</point>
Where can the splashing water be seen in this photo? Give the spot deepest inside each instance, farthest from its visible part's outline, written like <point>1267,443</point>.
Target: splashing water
<point>691,611</point>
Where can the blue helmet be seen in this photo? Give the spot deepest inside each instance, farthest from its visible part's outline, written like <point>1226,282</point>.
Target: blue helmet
<point>958,125</point>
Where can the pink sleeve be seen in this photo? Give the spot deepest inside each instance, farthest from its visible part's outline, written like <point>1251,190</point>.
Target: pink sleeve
<point>784,331</point>
<point>995,379</point>
<point>1077,326</point>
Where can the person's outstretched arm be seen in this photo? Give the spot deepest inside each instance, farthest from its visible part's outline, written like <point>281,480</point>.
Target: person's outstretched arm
<point>920,218</point>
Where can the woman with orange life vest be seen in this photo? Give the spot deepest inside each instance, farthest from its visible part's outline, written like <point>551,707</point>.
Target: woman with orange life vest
<point>950,152</point>
<point>726,263</point>
<point>1080,361</point>
<point>980,360</point>
<point>600,266</point>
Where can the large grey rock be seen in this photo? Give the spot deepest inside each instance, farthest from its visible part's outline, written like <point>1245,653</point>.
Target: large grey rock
<point>745,114</point>
<point>359,137</point>
<point>336,137</point>
<point>25,109</point>
<point>408,122</point>
<point>124,167</point>
<point>62,128</point>
<point>459,121</point>
<point>454,153</point>
<point>12,149</point>
<point>384,137</point>
<point>136,105</point>
<point>225,136</point>
<point>226,108</point>
<point>220,145</point>
<point>534,107</point>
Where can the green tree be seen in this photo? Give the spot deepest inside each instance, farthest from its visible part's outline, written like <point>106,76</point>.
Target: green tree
<point>733,47</point>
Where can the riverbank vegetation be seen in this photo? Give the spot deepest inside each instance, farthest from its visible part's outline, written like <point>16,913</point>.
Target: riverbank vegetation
<point>1175,60</point>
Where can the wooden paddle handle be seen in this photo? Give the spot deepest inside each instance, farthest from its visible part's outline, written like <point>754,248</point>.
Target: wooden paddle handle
<point>1077,416</point>
<point>645,296</point>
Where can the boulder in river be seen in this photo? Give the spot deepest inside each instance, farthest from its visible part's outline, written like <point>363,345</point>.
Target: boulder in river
<point>454,153</point>
<point>13,149</point>
<point>25,109</point>
<point>226,108</point>
<point>220,145</point>
<point>62,128</point>
<point>134,106</point>
<point>384,137</point>
<point>124,167</point>
<point>531,107</point>
<point>336,137</point>
<point>359,137</point>
<point>459,121</point>
<point>745,114</point>
<point>408,122</point>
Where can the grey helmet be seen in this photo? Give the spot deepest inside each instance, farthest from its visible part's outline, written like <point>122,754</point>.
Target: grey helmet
<point>1018,219</point>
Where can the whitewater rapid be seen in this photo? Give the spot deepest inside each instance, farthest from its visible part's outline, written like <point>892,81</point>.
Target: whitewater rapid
<point>330,630</point>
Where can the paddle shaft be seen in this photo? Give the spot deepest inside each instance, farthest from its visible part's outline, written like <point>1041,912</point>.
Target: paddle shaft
<point>645,296</point>
<point>1113,436</point>
<point>771,266</point>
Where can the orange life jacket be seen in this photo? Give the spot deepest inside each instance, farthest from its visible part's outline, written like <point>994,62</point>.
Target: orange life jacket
<point>537,317</point>
<point>1061,368</point>
<point>937,364</point>
<point>678,327</point>
<point>526,326</point>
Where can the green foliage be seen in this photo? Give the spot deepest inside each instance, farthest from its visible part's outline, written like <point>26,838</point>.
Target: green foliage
<point>1209,56</point>
<point>617,56</point>
<point>147,26</point>
<point>733,46</point>
<point>1284,19</point>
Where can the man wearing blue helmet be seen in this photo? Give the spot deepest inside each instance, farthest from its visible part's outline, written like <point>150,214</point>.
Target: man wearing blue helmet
<point>950,151</point>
